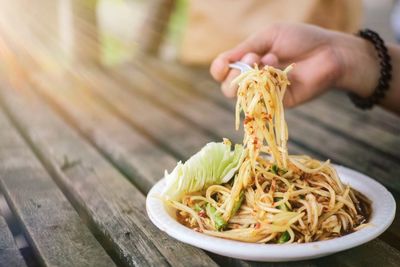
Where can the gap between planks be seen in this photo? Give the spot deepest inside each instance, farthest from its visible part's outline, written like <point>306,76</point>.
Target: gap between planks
<point>338,149</point>
<point>342,154</point>
<point>333,115</point>
<point>71,100</point>
<point>52,226</point>
<point>114,208</point>
<point>9,253</point>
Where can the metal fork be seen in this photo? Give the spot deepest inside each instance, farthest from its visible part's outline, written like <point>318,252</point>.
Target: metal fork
<point>243,67</point>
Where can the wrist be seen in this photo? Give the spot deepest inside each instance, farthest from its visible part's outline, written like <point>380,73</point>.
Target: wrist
<point>359,67</point>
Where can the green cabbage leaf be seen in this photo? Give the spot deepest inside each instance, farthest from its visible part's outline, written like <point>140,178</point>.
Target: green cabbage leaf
<point>214,164</point>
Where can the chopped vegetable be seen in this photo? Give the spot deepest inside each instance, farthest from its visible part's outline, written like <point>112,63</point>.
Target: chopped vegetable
<point>284,238</point>
<point>283,207</point>
<point>276,170</point>
<point>197,207</point>
<point>220,223</point>
<point>285,235</point>
<point>215,163</point>
<point>238,203</point>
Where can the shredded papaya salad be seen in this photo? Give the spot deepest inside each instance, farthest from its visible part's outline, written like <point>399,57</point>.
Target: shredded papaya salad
<point>256,192</point>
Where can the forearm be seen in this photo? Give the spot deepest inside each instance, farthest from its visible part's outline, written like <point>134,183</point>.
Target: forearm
<point>392,98</point>
<point>361,70</point>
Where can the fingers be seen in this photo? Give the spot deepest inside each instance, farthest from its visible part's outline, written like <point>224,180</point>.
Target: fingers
<point>289,100</point>
<point>258,43</point>
<point>227,88</point>
<point>270,59</point>
<point>219,67</point>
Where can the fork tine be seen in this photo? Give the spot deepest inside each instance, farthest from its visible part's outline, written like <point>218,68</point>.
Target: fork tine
<point>235,66</point>
<point>243,67</point>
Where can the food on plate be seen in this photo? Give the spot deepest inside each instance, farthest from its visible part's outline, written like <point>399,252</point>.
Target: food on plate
<point>258,192</point>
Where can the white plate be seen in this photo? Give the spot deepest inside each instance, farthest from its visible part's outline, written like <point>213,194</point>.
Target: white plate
<point>383,212</point>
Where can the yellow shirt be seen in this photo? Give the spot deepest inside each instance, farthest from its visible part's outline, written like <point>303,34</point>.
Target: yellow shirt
<point>214,26</point>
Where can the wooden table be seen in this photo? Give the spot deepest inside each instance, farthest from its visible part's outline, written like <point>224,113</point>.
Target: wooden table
<point>80,149</point>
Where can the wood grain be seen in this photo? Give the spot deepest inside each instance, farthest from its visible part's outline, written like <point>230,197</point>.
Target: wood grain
<point>374,253</point>
<point>377,116</point>
<point>133,94</point>
<point>113,208</point>
<point>376,129</point>
<point>9,253</point>
<point>94,112</point>
<point>135,109</point>
<point>183,103</point>
<point>351,137</point>
<point>75,102</point>
<point>51,224</point>
<point>302,132</point>
<point>130,150</point>
<point>308,138</point>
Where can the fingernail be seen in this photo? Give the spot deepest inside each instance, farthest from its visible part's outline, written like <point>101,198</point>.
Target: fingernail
<point>250,58</point>
<point>270,59</point>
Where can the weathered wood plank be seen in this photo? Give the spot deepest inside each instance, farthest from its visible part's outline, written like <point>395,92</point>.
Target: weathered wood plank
<point>130,103</point>
<point>377,116</point>
<point>139,111</point>
<point>332,110</point>
<point>129,149</point>
<point>110,86</point>
<point>200,81</point>
<point>82,108</point>
<point>305,137</point>
<point>231,262</point>
<point>69,100</point>
<point>9,253</point>
<point>378,140</point>
<point>344,151</point>
<point>182,103</point>
<point>356,126</point>
<point>393,139</point>
<point>53,228</point>
<point>113,207</point>
<point>374,253</point>
<point>301,131</point>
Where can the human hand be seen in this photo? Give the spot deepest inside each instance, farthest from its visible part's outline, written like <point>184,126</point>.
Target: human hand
<point>323,59</point>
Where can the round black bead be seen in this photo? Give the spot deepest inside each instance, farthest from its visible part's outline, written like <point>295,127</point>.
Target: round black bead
<point>385,72</point>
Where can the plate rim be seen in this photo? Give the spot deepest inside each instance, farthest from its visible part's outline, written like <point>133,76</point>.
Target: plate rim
<point>158,214</point>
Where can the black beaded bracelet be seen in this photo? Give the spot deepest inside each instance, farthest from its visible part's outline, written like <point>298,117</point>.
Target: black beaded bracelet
<point>385,72</point>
